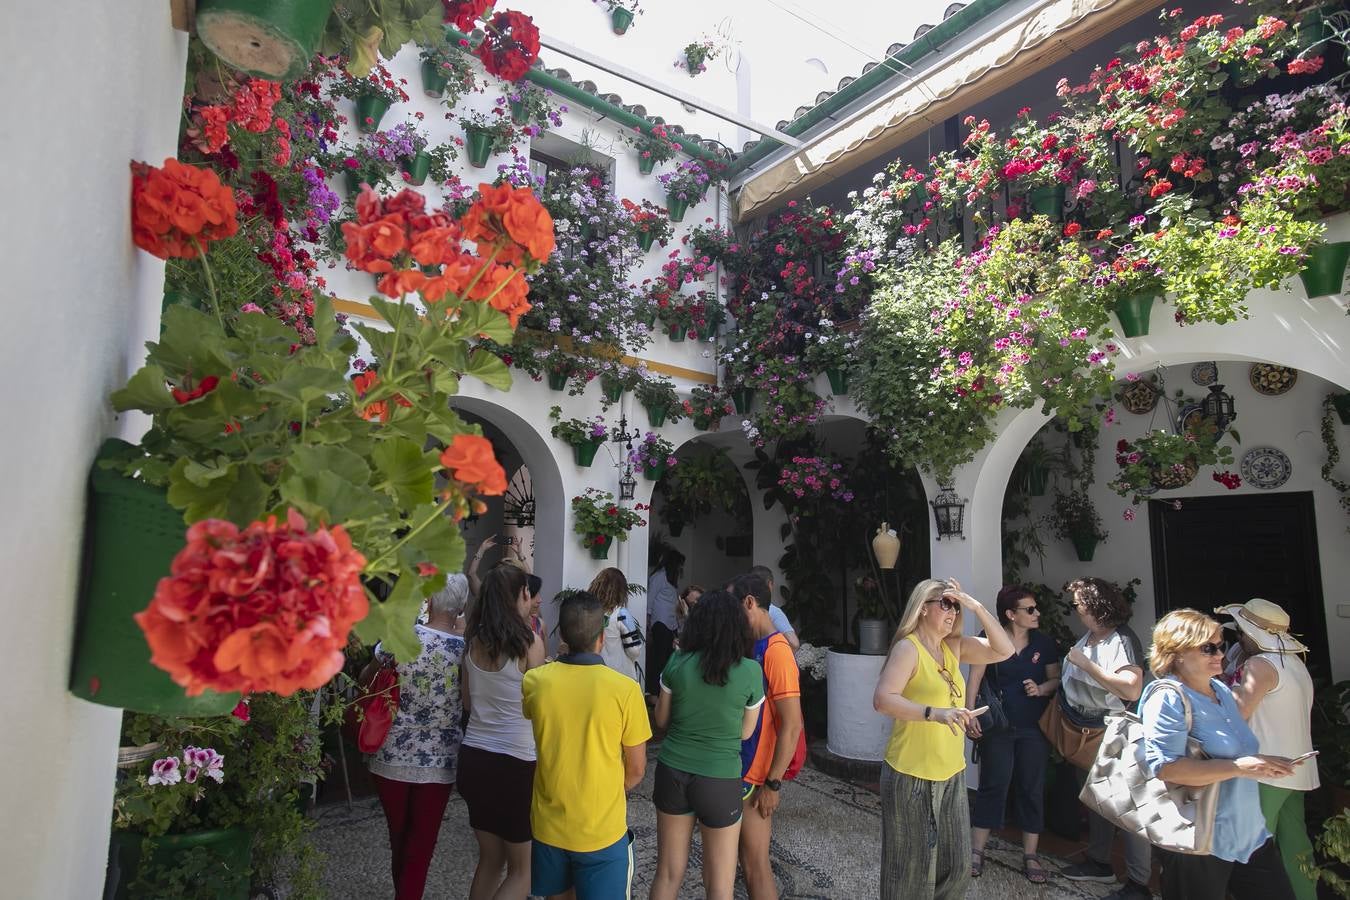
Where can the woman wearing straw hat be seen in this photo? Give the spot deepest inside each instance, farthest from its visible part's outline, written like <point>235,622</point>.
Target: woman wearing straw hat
<point>1275,693</point>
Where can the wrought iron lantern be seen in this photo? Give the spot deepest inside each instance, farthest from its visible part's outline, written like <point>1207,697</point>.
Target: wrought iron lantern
<point>621,435</point>
<point>949,513</point>
<point>627,484</point>
<point>1218,406</point>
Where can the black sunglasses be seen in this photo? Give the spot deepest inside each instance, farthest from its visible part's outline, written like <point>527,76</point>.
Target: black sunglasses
<point>1028,609</point>
<point>1211,649</point>
<point>947,603</point>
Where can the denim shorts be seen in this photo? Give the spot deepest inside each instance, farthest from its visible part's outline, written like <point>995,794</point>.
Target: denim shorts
<point>605,874</point>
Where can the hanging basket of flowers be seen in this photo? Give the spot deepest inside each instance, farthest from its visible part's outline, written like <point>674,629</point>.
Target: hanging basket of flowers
<point>599,520</point>
<point>654,456</point>
<point>584,436</point>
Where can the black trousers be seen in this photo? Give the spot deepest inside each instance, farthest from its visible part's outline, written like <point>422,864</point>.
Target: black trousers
<point>660,643</point>
<point>1206,878</point>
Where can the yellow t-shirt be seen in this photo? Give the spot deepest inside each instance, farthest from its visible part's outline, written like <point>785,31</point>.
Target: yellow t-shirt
<point>929,750</point>
<point>583,714</point>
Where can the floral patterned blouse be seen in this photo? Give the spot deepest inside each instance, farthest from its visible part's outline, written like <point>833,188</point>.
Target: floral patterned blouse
<point>423,743</point>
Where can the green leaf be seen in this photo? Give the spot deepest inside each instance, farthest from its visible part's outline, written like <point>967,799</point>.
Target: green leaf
<point>439,543</point>
<point>248,498</point>
<point>489,369</point>
<point>202,491</point>
<point>147,391</point>
<point>482,318</point>
<point>391,622</point>
<point>405,467</point>
<point>343,463</point>
<point>305,385</point>
<point>324,496</point>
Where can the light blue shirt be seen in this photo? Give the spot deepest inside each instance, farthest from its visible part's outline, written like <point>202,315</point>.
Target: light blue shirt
<point>779,619</point>
<point>1239,826</point>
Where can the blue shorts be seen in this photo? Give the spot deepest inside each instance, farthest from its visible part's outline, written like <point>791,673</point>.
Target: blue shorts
<point>605,874</point>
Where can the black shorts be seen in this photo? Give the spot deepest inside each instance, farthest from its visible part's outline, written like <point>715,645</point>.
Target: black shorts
<point>715,802</point>
<point>496,788</point>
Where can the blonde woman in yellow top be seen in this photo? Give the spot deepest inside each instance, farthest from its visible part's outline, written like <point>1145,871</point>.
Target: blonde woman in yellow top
<point>925,818</point>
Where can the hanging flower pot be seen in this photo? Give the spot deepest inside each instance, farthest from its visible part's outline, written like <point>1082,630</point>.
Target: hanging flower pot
<point>1342,404</point>
<point>1324,273</point>
<point>272,39</point>
<point>707,333</point>
<point>656,413</point>
<point>131,537</point>
<point>418,167</point>
<point>676,207</point>
<point>676,333</point>
<point>646,164</point>
<point>621,19</point>
<point>587,232</point>
<point>645,240</point>
<point>1047,201</point>
<point>653,469</point>
<point>742,398</point>
<point>691,65</point>
<point>1038,478</point>
<point>557,381</point>
<point>1085,545</point>
<point>1133,314</point>
<point>227,853</point>
<point>838,381</point>
<point>599,544</point>
<point>519,115</point>
<point>480,146</point>
<point>1178,476</point>
<point>613,390</point>
<point>648,319</point>
<point>703,423</point>
<point>434,79</point>
<point>353,182</point>
<point>676,529</point>
<point>586,450</point>
<point>370,110</point>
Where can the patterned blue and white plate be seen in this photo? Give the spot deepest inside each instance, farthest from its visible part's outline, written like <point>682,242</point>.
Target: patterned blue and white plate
<point>1266,467</point>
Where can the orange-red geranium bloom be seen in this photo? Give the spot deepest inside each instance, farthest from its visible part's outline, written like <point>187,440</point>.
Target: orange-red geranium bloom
<point>400,282</point>
<point>173,204</point>
<point>504,288</point>
<point>268,608</point>
<point>530,225</point>
<point>471,461</point>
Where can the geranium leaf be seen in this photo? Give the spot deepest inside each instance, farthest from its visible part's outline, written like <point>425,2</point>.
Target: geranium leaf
<point>323,496</point>
<point>404,466</point>
<point>391,622</point>
<point>488,369</point>
<point>306,385</point>
<point>342,463</point>
<point>147,391</point>
<point>201,491</point>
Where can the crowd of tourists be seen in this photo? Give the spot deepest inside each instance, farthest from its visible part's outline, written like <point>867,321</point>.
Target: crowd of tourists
<point>544,749</point>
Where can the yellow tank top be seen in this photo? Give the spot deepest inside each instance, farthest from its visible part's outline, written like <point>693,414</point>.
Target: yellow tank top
<point>929,750</point>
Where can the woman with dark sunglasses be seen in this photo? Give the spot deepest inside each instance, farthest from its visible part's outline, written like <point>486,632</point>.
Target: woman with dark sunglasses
<point>1187,657</point>
<point>1015,755</point>
<point>925,817</point>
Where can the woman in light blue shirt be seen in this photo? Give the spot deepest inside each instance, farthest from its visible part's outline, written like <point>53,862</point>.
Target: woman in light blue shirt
<point>1187,656</point>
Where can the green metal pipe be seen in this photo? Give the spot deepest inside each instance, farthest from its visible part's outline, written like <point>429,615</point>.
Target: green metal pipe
<point>613,111</point>
<point>892,67</point>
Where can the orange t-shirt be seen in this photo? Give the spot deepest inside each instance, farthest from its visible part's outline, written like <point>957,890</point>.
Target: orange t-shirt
<point>781,681</point>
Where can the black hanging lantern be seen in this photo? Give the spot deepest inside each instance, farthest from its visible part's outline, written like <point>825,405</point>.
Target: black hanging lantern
<point>621,435</point>
<point>949,513</point>
<point>627,484</point>
<point>1218,406</point>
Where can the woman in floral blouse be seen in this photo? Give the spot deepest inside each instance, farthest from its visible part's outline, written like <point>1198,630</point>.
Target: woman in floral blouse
<point>414,770</point>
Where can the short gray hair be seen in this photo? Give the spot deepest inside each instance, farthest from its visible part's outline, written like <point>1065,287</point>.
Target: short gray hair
<point>453,597</point>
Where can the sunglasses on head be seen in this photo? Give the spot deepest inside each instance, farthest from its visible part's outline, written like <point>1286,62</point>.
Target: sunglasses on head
<point>947,603</point>
<point>1211,649</point>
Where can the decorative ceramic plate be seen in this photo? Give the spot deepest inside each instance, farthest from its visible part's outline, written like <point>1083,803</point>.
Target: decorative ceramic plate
<point>1272,380</point>
<point>1138,397</point>
<point>1205,373</point>
<point>1266,467</point>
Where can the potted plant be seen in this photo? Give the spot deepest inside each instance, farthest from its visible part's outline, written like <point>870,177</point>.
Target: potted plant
<point>599,520</point>
<point>1130,272</point>
<point>585,436</point>
<point>1035,466</point>
<point>1162,460</point>
<point>833,352</point>
<point>487,134</point>
<point>531,108</point>
<point>447,72</point>
<point>701,484</point>
<point>706,406</point>
<point>373,95</point>
<point>688,183</point>
<point>677,313</point>
<point>653,146</point>
<point>650,223</point>
<point>654,455</point>
<point>657,396</point>
<point>621,13</point>
<point>871,615</point>
<point>615,380</point>
<point>1332,848</point>
<point>696,55</point>
<point>1074,518</point>
<point>269,40</point>
<point>558,368</point>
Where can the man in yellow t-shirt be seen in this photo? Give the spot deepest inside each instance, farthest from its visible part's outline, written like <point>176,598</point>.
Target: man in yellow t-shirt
<point>591,732</point>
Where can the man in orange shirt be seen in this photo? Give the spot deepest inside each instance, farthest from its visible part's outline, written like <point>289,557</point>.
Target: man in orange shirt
<point>765,757</point>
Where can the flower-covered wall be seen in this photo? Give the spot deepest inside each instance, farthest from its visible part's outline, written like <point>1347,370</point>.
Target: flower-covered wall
<point>81,302</point>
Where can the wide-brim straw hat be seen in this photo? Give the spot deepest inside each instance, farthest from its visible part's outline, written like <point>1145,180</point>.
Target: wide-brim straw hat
<point>1266,623</point>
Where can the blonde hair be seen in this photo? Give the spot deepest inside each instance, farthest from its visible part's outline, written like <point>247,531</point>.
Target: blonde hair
<point>611,587</point>
<point>1178,631</point>
<point>924,592</point>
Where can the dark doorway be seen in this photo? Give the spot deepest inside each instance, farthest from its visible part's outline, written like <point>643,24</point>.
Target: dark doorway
<point>1219,550</point>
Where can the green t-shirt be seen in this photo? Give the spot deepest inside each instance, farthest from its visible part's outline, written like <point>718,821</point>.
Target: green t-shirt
<point>705,719</point>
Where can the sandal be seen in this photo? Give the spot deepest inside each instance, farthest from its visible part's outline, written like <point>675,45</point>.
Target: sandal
<point>976,863</point>
<point>1032,868</point>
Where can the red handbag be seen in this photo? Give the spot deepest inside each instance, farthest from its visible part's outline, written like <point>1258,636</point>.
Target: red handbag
<point>371,714</point>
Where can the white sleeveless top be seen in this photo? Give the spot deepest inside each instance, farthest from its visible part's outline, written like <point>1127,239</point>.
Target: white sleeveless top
<point>1283,719</point>
<point>496,723</point>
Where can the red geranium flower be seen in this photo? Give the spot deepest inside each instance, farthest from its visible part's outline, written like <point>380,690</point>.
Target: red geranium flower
<point>510,46</point>
<point>464,13</point>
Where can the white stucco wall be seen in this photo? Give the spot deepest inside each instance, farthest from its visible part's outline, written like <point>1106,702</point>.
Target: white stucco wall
<point>91,86</point>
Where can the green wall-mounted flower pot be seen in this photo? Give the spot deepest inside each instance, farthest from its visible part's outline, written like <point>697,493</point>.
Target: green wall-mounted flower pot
<point>369,111</point>
<point>557,381</point>
<point>703,423</point>
<point>1047,201</point>
<point>646,164</point>
<point>743,399</point>
<point>353,182</point>
<point>434,79</point>
<point>645,240</point>
<point>676,207</point>
<point>131,537</point>
<point>230,855</point>
<point>1133,314</point>
<point>652,470</point>
<point>1324,273</point>
<point>838,381</point>
<point>676,528</point>
<point>707,333</point>
<point>676,333</point>
<point>613,390</point>
<point>272,39</point>
<point>586,450</point>
<point>519,115</point>
<point>479,143</point>
<point>656,413</point>
<point>1084,545</point>
<point>599,544</point>
<point>621,19</point>
<point>418,167</point>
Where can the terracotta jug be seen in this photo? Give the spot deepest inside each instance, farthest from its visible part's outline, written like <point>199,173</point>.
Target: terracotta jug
<point>886,546</point>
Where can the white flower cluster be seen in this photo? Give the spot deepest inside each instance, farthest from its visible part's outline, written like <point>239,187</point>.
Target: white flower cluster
<point>811,660</point>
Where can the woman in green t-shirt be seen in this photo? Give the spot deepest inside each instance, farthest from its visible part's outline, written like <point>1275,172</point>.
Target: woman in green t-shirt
<point>710,699</point>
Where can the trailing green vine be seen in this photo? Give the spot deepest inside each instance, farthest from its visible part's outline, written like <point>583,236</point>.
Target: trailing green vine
<point>1333,453</point>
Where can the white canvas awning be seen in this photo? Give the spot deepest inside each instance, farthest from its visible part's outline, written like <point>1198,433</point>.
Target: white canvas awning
<point>961,75</point>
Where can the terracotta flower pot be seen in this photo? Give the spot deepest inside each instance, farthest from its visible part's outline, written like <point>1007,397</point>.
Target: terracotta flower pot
<point>369,111</point>
<point>1133,314</point>
<point>1324,273</point>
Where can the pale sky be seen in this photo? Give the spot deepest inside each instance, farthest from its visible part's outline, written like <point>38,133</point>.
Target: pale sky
<point>787,51</point>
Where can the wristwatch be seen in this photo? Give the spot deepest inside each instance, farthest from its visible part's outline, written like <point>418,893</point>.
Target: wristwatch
<point>773,784</point>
